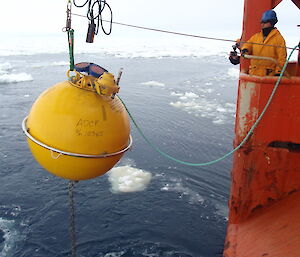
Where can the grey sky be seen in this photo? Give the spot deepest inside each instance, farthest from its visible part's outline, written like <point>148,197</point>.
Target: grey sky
<point>203,17</point>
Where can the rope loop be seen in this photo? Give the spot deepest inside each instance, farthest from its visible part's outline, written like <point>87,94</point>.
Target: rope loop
<point>94,14</point>
<point>167,156</point>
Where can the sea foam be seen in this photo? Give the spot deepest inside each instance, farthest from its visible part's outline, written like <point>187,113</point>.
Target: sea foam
<point>10,236</point>
<point>176,185</point>
<point>127,179</point>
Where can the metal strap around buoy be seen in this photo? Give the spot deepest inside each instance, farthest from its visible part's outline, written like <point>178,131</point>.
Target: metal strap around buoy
<point>25,130</point>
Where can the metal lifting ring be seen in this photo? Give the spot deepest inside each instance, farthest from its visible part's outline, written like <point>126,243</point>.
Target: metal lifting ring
<point>25,130</point>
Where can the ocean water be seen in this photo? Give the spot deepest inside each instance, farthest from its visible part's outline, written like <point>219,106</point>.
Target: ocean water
<point>183,97</point>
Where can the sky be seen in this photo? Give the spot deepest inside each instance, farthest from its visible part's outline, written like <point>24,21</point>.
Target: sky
<point>218,18</point>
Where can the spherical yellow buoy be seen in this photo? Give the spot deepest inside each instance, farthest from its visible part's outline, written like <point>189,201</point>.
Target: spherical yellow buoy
<point>75,133</point>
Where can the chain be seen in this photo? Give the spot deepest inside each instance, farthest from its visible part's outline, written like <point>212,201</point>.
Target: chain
<point>72,227</point>
<point>69,15</point>
<point>70,31</point>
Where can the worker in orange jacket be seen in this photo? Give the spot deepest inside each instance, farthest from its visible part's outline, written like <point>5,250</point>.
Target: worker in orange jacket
<point>269,35</point>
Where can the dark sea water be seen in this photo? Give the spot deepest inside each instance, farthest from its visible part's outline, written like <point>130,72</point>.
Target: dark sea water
<point>185,105</point>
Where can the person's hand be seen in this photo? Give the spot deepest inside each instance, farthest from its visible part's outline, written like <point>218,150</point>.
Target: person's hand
<point>244,51</point>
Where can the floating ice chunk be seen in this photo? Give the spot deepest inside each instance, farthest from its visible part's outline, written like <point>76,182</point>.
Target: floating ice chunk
<point>190,95</point>
<point>153,83</point>
<point>60,63</point>
<point>221,109</point>
<point>176,94</point>
<point>233,73</point>
<point>14,78</point>
<point>218,121</point>
<point>5,67</point>
<point>127,179</point>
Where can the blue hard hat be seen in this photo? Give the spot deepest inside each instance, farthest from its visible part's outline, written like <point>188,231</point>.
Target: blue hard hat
<point>269,16</point>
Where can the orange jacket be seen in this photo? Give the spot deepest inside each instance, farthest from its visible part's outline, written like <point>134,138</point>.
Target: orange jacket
<point>266,67</point>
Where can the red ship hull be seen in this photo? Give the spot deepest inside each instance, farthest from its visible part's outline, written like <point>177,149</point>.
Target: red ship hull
<point>264,205</point>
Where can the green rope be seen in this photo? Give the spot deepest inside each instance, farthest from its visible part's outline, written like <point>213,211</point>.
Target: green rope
<point>71,48</point>
<point>156,148</point>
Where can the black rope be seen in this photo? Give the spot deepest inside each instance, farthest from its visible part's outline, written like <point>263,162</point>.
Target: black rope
<point>184,34</point>
<point>95,9</point>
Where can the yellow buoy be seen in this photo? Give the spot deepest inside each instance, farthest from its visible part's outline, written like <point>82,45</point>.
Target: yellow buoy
<point>78,129</point>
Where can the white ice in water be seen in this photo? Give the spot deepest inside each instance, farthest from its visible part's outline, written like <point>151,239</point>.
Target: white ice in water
<point>5,67</point>
<point>127,179</point>
<point>15,77</point>
<point>121,47</point>
<point>201,105</point>
<point>153,83</point>
<point>188,95</point>
<point>233,73</point>
<point>60,63</point>
<point>6,75</point>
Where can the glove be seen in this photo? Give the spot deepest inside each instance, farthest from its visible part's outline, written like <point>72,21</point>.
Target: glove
<point>234,58</point>
<point>244,51</point>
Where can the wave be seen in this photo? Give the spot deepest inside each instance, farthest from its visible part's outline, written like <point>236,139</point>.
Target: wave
<point>15,78</point>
